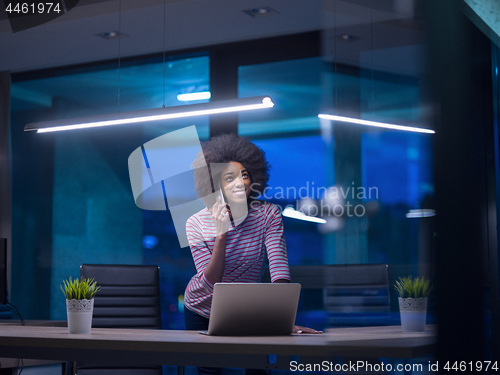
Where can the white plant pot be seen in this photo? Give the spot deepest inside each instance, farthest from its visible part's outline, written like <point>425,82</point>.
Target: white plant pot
<point>79,315</point>
<point>413,312</point>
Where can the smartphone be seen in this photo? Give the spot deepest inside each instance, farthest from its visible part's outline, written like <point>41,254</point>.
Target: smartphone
<point>221,196</point>
<point>223,201</point>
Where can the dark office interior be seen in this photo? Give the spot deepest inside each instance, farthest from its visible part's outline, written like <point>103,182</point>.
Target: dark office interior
<point>424,204</point>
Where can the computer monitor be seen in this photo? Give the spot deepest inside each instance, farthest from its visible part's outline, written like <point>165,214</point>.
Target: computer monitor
<point>3,271</point>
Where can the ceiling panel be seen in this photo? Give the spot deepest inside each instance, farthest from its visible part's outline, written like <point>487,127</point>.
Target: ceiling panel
<point>71,39</point>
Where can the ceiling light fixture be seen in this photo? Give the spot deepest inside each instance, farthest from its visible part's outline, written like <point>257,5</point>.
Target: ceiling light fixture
<point>260,12</point>
<point>111,35</point>
<point>203,95</point>
<point>156,114</point>
<point>353,120</point>
<point>375,123</point>
<point>292,213</point>
<point>148,115</point>
<point>347,38</point>
<point>419,213</point>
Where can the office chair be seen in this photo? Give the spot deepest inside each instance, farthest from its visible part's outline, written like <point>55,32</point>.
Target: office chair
<point>129,298</point>
<point>352,295</point>
<point>356,295</point>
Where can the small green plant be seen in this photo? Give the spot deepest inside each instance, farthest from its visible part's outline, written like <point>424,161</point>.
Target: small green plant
<point>79,289</point>
<point>408,287</point>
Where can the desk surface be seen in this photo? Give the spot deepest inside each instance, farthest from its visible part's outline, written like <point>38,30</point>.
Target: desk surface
<point>189,348</point>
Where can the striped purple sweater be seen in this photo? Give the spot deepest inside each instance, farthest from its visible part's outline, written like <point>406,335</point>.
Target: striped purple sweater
<point>247,245</point>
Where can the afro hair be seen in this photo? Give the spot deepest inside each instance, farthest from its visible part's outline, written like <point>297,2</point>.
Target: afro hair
<point>224,149</point>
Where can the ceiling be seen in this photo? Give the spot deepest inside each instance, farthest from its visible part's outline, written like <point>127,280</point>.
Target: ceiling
<point>386,34</point>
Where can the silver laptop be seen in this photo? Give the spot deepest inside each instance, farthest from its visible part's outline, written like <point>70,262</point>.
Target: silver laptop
<point>253,309</point>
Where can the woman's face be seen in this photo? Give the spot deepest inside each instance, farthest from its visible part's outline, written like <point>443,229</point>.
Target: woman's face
<point>235,182</point>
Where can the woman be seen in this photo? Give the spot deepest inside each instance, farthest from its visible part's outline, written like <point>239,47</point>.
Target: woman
<point>231,238</point>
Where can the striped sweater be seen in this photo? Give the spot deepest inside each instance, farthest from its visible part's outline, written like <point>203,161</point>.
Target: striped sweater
<point>247,245</point>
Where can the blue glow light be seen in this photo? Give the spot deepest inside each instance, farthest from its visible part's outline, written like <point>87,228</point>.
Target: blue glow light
<point>149,242</point>
<point>194,96</point>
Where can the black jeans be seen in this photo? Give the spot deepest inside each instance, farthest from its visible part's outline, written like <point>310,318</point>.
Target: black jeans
<point>195,322</point>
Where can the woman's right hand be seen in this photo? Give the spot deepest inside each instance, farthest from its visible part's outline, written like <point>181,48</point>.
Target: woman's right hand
<point>220,216</point>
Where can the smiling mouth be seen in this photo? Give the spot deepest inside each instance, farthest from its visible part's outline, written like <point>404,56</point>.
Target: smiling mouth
<point>239,192</point>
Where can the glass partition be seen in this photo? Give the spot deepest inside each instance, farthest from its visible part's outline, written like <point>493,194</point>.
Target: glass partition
<point>362,182</point>
<point>350,194</point>
<point>72,199</point>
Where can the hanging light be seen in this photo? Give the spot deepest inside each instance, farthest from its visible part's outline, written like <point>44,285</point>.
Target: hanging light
<point>165,113</point>
<point>156,114</point>
<point>202,95</point>
<point>292,213</point>
<point>419,213</point>
<point>352,120</point>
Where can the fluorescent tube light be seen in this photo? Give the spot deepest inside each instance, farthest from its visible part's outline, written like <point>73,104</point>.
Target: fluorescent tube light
<point>374,123</point>
<point>209,108</point>
<point>290,212</point>
<point>413,214</point>
<point>194,96</point>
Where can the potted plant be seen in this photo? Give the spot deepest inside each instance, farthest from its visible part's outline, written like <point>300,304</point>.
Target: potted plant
<point>413,293</point>
<point>79,303</point>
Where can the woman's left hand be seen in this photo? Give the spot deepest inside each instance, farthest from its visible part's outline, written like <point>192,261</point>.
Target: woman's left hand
<point>300,329</point>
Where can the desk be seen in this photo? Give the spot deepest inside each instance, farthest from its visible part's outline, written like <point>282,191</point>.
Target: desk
<point>189,348</point>
<point>46,323</point>
<point>9,363</point>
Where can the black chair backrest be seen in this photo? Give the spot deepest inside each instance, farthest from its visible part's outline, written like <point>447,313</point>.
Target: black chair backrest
<point>356,288</point>
<point>129,296</point>
<point>346,287</point>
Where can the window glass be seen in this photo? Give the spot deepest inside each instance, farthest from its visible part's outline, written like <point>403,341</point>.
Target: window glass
<point>289,133</point>
<point>72,198</point>
<point>295,87</point>
<point>375,176</point>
